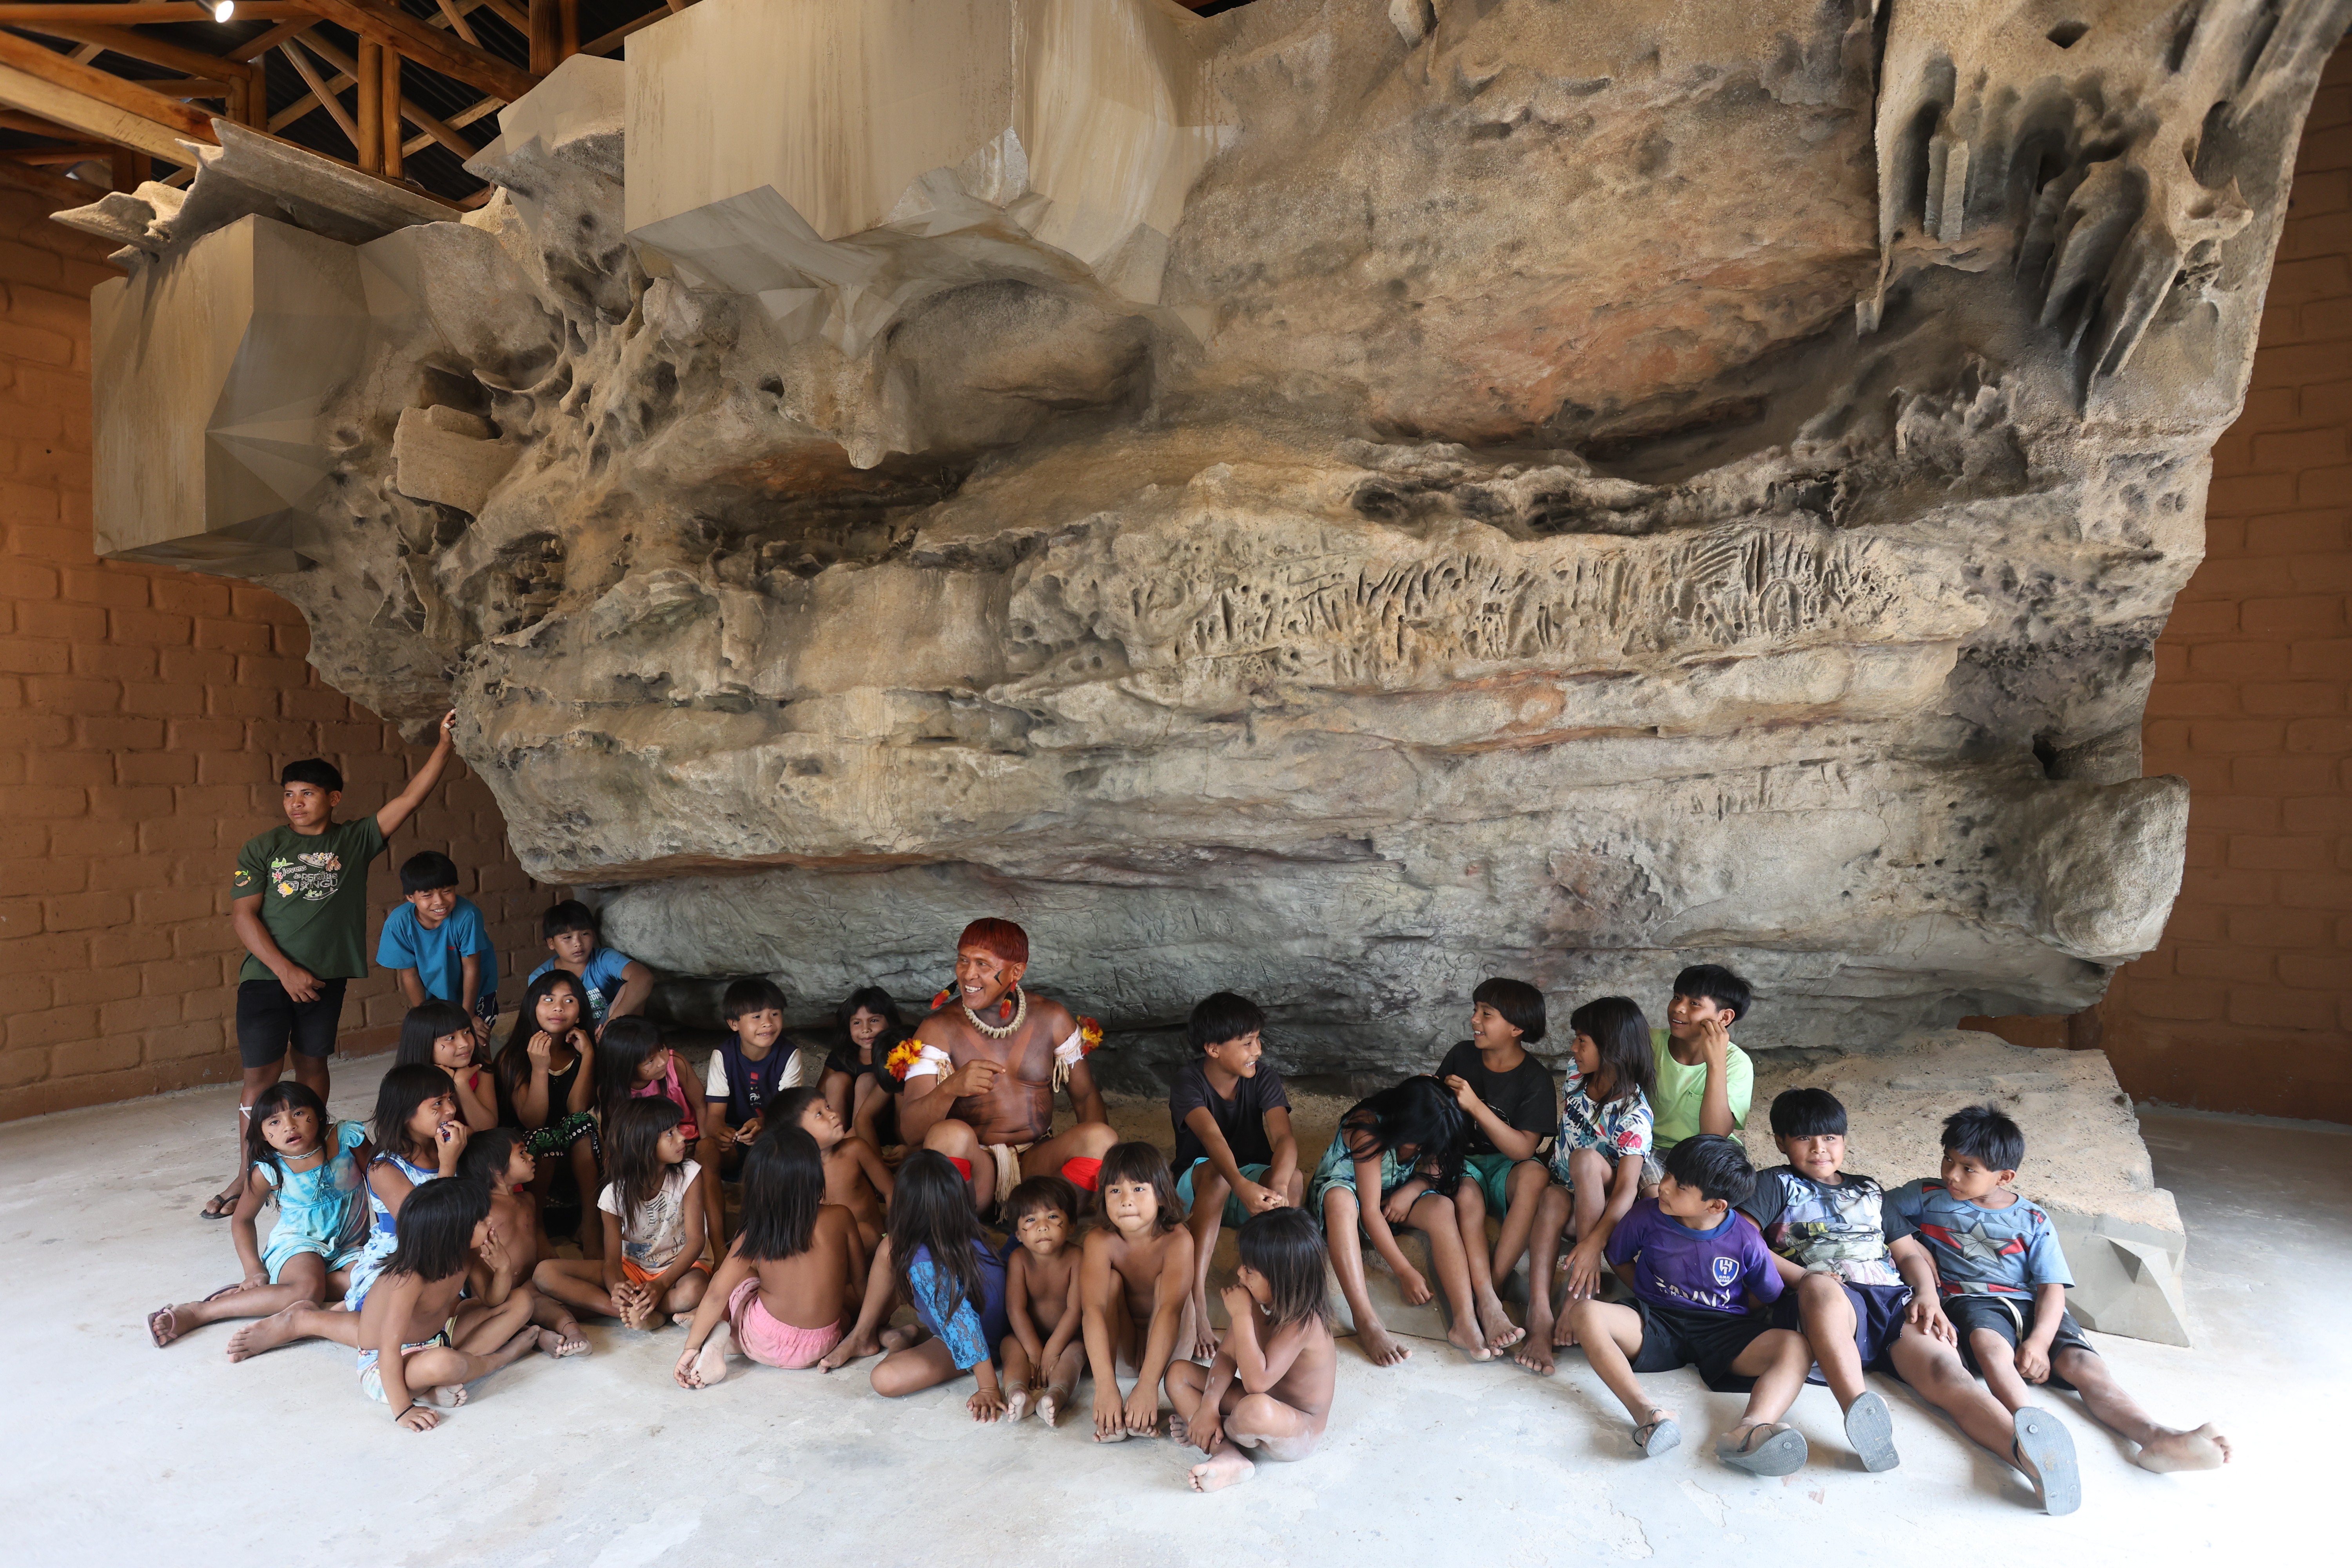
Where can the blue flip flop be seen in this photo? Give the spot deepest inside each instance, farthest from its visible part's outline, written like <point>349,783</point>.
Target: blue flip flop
<point>2043,1443</point>
<point>1870,1428</point>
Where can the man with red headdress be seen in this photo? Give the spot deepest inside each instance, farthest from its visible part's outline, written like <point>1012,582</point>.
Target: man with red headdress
<point>980,1088</point>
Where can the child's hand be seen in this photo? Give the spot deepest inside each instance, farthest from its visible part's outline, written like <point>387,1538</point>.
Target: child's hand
<point>723,1135</point>
<point>1412,1287</point>
<point>2032,1363</point>
<point>1206,1428</point>
<point>685,1372</point>
<point>749,1132</point>
<point>986,1405</point>
<point>541,1050</point>
<point>1110,1416</point>
<point>1927,1315</point>
<point>449,1141</point>
<point>255,1280</point>
<point>1239,1303</point>
<point>419,1418</point>
<point>1583,1270</point>
<point>1397,1205</point>
<point>1713,1041</point>
<point>1464,1095</point>
<point>482,1027</point>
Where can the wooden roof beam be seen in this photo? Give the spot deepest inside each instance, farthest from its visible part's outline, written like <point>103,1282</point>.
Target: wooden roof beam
<point>138,16</point>
<point>427,45</point>
<point>95,103</point>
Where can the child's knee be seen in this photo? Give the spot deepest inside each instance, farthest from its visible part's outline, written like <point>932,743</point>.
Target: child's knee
<point>948,1136</point>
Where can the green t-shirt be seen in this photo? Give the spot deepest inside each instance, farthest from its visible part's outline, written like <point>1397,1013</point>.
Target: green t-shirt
<point>313,896</point>
<point>1681,1092</point>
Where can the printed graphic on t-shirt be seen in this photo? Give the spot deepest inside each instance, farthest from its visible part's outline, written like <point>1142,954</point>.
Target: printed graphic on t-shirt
<point>1840,1228</point>
<point>312,877</point>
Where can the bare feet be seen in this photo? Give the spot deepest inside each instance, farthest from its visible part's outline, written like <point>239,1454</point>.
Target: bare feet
<point>1563,1333</point>
<point>1016,1402</point>
<point>559,1344</point>
<point>1501,1332</point>
<point>1218,1471</point>
<point>897,1339</point>
<point>268,1333</point>
<point>2203,1449</point>
<point>1465,1337</point>
<point>1379,1345</point>
<point>857,1347</point>
<point>1051,1404</point>
<point>448,1395</point>
<point>1535,1350</point>
<point>711,1365</point>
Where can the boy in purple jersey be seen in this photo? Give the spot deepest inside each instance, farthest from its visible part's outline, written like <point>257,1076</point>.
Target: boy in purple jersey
<point>2001,1312</point>
<point>1694,1265</point>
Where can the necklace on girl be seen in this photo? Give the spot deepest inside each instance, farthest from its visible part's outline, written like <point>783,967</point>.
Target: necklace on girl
<point>990,1030</point>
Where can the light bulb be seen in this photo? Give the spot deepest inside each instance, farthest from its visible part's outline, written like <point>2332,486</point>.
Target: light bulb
<point>224,9</point>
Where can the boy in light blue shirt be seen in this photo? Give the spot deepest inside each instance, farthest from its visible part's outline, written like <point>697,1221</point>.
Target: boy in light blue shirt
<point>436,946</point>
<point>618,985</point>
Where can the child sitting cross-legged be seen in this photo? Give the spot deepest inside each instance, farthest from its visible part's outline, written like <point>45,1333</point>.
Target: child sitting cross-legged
<point>1852,1270</point>
<point>937,1258</point>
<point>855,1176</point>
<point>1600,1161</point>
<point>311,1165</point>
<point>438,1034</point>
<point>653,1237</point>
<point>1507,1097</point>
<point>789,1286</point>
<point>1135,1289</point>
<point>547,1087</point>
<point>1694,1265</point>
<point>1268,1393</point>
<point>2002,1313</point>
<point>1405,1144</point>
<point>1047,1349</point>
<point>420,1343</point>
<point>632,1062</point>
<point>1235,1154</point>
<point>497,1162</point>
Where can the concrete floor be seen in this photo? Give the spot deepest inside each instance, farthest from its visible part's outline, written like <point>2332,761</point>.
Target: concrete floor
<point>117,1452</point>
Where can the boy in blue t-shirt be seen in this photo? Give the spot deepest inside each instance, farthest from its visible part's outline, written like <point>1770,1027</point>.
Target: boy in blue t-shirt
<point>1695,1266</point>
<point>2001,1312</point>
<point>435,944</point>
<point>617,983</point>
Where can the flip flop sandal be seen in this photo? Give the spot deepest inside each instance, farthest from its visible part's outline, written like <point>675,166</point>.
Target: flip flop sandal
<point>1781,1454</point>
<point>220,1205</point>
<point>1870,1428</point>
<point>168,1333</point>
<point>1662,1435</point>
<point>2044,1443</point>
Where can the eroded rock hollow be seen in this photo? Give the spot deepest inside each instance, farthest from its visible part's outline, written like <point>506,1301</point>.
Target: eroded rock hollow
<point>1332,500</point>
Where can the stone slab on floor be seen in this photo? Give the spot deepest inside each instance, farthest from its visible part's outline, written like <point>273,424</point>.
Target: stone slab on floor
<point>2085,1162</point>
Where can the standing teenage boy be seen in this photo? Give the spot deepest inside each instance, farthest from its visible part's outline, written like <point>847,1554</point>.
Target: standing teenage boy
<point>1232,1115</point>
<point>300,909</point>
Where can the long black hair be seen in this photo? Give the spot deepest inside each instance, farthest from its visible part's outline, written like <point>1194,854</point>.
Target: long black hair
<point>485,1155</point>
<point>404,1088</point>
<point>790,1105</point>
<point>436,1228</point>
<point>1419,1114</point>
<point>894,1029</point>
<point>1622,1036</point>
<point>1285,1245</point>
<point>633,1150</point>
<point>513,1067</point>
<point>784,1186</point>
<point>286,1094</point>
<point>427,1024</point>
<point>931,1210</point>
<point>627,1043</point>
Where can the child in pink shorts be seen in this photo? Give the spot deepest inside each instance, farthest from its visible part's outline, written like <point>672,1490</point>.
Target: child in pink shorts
<point>795,1278</point>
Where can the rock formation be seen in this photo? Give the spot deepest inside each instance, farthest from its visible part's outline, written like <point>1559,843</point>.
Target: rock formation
<point>1332,500</point>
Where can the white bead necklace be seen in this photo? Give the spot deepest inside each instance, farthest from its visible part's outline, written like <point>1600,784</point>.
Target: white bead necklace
<point>1019,1012</point>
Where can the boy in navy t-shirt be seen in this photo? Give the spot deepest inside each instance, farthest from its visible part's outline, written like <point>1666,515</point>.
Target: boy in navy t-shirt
<point>2002,1283</point>
<point>1235,1154</point>
<point>1695,1266</point>
<point>435,944</point>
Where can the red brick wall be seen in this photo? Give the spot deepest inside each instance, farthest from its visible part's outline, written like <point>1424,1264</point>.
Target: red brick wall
<point>2247,1004</point>
<point>143,715</point>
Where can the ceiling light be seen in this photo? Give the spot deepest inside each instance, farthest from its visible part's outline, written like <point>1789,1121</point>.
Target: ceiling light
<point>224,9</point>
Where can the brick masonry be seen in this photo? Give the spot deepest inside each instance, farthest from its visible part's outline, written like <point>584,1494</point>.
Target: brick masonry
<point>143,715</point>
<point>2247,1004</point>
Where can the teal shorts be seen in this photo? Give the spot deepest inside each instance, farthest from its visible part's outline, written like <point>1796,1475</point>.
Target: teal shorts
<point>1235,1216</point>
<point>1493,1175</point>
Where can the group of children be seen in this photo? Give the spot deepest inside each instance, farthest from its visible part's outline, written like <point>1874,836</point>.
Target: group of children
<point>1649,1241</point>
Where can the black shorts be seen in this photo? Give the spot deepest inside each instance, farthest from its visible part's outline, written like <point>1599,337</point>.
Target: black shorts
<point>268,1020</point>
<point>2010,1317</point>
<point>1878,1312</point>
<point>1686,1336</point>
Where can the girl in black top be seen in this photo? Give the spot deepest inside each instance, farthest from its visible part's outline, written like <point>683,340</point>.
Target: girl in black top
<point>857,1083</point>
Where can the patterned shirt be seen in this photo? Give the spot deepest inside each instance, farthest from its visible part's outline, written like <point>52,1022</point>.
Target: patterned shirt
<point>1981,1251</point>
<point>972,1337</point>
<point>1619,1128</point>
<point>1841,1229</point>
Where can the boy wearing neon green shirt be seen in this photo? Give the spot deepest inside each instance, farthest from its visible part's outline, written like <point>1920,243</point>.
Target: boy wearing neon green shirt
<point>1705,1081</point>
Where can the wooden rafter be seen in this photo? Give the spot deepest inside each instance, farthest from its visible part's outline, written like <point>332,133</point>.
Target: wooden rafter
<point>321,92</point>
<point>428,45</point>
<point>137,15</point>
<point>94,103</point>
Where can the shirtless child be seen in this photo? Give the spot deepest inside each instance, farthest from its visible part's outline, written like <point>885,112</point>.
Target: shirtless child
<point>1046,1351</point>
<point>983,1069</point>
<point>499,1161</point>
<point>1269,1389</point>
<point>1135,1287</point>
<point>791,1281</point>
<point>854,1177</point>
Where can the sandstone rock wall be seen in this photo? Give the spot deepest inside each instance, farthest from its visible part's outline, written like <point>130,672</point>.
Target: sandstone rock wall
<point>1568,491</point>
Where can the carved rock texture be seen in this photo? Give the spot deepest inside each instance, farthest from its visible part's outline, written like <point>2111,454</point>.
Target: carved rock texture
<point>1564,490</point>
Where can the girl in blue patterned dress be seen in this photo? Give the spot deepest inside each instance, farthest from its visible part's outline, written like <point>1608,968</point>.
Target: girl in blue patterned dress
<point>311,1166</point>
